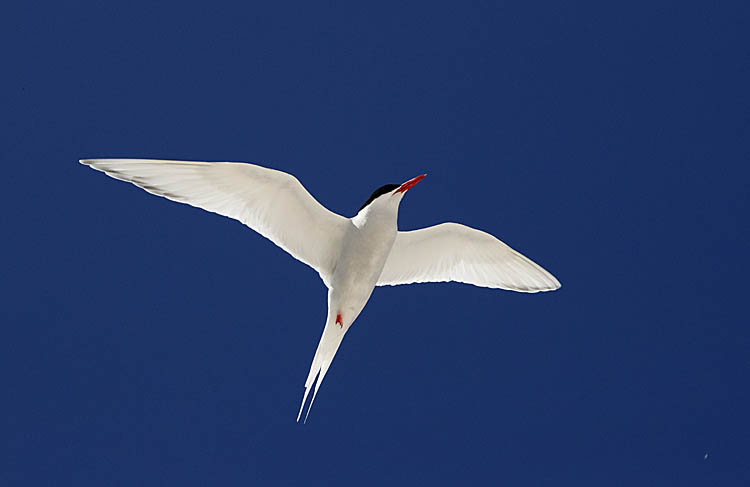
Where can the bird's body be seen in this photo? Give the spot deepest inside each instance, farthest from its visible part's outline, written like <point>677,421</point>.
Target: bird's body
<point>351,255</point>
<point>363,254</point>
<point>364,250</point>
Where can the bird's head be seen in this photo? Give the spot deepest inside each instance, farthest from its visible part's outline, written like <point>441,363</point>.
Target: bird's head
<point>388,197</point>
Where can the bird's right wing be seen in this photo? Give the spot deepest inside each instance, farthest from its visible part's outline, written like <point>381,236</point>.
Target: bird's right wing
<point>273,203</point>
<point>454,252</point>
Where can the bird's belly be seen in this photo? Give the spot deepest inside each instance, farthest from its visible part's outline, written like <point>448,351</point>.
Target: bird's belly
<point>356,274</point>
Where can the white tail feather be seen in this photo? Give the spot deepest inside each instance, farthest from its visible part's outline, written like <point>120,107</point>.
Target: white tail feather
<point>329,344</point>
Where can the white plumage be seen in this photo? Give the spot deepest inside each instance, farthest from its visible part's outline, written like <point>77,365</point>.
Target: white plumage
<point>273,203</point>
<point>455,252</point>
<point>352,255</point>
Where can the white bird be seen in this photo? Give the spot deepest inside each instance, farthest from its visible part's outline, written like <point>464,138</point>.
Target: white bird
<point>352,255</point>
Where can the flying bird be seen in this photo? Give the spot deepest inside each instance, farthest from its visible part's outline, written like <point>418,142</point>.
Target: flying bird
<point>351,255</point>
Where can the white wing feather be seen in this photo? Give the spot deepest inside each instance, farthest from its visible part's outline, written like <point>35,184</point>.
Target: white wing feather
<point>454,252</point>
<point>272,203</point>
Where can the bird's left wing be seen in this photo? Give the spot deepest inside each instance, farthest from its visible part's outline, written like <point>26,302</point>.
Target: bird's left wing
<point>454,252</point>
<point>273,203</point>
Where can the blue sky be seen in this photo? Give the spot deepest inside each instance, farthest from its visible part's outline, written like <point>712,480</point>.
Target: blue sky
<point>150,343</point>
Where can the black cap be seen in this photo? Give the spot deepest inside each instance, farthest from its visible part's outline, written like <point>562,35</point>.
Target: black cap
<point>380,191</point>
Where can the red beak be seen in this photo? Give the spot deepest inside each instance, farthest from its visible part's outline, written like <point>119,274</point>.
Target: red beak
<point>410,183</point>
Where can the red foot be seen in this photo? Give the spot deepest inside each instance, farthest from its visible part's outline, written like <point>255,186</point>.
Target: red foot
<point>339,320</point>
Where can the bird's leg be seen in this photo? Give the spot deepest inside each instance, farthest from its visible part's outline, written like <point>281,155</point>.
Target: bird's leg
<point>339,320</point>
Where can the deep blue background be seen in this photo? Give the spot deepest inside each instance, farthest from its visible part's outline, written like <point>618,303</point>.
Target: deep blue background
<point>150,343</point>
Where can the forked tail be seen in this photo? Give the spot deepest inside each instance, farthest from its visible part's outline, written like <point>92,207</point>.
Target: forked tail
<point>329,344</point>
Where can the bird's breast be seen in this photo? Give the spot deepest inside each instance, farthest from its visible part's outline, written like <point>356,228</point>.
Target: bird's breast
<point>361,262</point>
